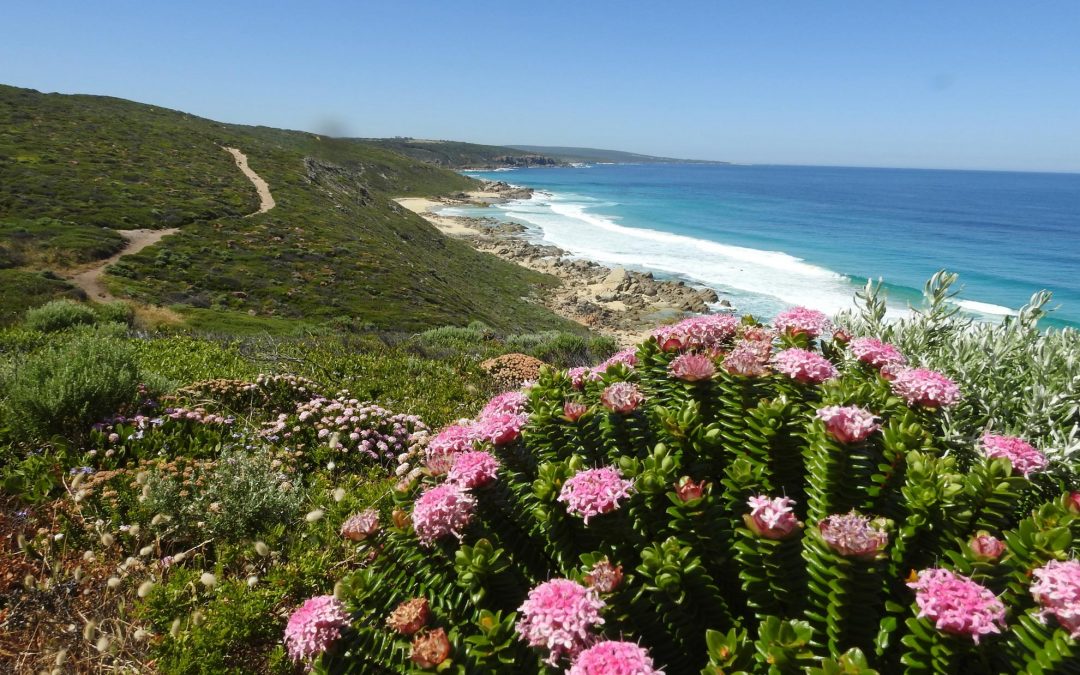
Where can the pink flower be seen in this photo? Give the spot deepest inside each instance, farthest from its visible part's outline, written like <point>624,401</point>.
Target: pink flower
<point>500,428</point>
<point>573,410</point>
<point>614,658</point>
<point>474,469</point>
<point>697,332</point>
<point>314,627</point>
<point>627,357</point>
<point>749,358</point>
<point>577,377</point>
<point>848,424</point>
<point>957,605</point>
<point>559,615</point>
<point>876,353</point>
<point>1024,458</point>
<point>925,387</point>
<point>452,439</point>
<point>687,490</point>
<point>442,511</point>
<point>594,491</point>
<point>1073,502</point>
<point>772,518</point>
<point>508,403</point>
<point>622,397</point>
<point>804,366</point>
<point>361,525</point>
<point>604,577</point>
<point>801,321</point>
<point>692,367</point>
<point>841,336</point>
<point>1057,590</point>
<point>986,546</point>
<point>114,437</point>
<point>410,616</point>
<point>853,535</point>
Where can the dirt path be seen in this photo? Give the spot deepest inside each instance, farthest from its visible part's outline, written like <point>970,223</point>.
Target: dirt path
<point>266,200</point>
<point>89,280</point>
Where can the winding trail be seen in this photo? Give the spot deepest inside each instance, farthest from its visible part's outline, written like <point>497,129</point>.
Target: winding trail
<point>266,200</point>
<point>89,280</point>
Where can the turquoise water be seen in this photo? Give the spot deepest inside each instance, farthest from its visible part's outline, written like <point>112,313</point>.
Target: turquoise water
<point>767,237</point>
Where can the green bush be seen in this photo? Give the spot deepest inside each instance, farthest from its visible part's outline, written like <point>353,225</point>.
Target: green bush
<point>65,388</point>
<point>705,582</point>
<point>115,312</point>
<point>1016,376</point>
<point>59,315</point>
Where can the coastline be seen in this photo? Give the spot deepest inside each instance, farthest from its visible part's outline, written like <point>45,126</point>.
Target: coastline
<point>624,304</point>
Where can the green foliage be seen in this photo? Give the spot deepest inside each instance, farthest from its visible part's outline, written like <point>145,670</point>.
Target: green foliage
<point>335,245</point>
<point>42,242</point>
<point>705,587</point>
<point>24,289</point>
<point>1016,378</point>
<point>60,314</point>
<point>68,386</point>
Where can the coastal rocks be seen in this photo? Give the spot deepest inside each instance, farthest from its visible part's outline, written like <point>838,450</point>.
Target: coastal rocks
<point>619,301</point>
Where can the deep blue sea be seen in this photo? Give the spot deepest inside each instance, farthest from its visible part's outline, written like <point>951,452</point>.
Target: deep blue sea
<point>768,237</point>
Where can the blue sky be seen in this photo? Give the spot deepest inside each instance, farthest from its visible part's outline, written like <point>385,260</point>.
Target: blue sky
<point>985,85</point>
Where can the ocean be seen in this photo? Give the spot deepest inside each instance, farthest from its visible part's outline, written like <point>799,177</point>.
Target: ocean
<point>769,237</point>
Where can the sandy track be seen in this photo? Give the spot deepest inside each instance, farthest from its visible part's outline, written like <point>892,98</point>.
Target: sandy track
<point>266,200</point>
<point>89,280</point>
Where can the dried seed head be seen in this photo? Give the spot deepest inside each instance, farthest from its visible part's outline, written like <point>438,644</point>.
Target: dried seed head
<point>145,588</point>
<point>113,582</point>
<point>314,516</point>
<point>262,549</point>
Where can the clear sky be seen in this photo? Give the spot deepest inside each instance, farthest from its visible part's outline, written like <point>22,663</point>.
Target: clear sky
<point>982,84</point>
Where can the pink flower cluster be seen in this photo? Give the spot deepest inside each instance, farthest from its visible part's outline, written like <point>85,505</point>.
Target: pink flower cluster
<point>442,511</point>
<point>848,424</point>
<point>573,410</point>
<point>876,353</point>
<point>802,321</point>
<point>452,439</point>
<point>853,535</point>
<point>198,416</point>
<point>1057,590</point>
<point>957,605</point>
<point>987,546</point>
<point>1025,459</point>
<point>499,428</point>
<point>707,333</point>
<point>925,387</point>
<point>507,403</point>
<point>692,367</point>
<point>560,615</point>
<point>361,525</point>
<point>314,627</point>
<point>593,492</point>
<point>772,518</point>
<point>622,397</point>
<point>804,366</point>
<point>749,358</point>
<point>351,425</point>
<point>612,657</point>
<point>473,469</point>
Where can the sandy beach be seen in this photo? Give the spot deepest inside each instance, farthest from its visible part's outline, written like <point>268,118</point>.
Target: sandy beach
<point>619,302</point>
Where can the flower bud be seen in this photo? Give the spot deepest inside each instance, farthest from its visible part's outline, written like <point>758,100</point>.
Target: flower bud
<point>410,616</point>
<point>604,576</point>
<point>986,546</point>
<point>687,490</point>
<point>430,649</point>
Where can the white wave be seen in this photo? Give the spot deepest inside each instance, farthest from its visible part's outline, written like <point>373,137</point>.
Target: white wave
<point>985,308</point>
<point>566,221</point>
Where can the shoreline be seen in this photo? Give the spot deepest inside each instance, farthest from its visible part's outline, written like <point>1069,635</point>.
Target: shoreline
<point>624,304</point>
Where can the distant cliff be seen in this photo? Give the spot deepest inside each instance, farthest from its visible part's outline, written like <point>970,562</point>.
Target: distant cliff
<point>458,155</point>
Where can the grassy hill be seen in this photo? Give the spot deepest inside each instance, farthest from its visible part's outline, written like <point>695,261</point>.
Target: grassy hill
<point>458,155</point>
<point>569,154</point>
<point>336,247</point>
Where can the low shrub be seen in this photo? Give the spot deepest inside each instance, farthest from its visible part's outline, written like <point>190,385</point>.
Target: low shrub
<point>66,387</point>
<point>59,315</point>
<point>115,312</point>
<point>726,499</point>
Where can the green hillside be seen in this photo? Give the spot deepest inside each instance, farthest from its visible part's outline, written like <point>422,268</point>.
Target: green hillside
<point>569,154</point>
<point>458,155</point>
<point>336,247</point>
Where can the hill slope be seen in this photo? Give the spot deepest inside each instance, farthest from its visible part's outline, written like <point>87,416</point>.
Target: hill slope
<point>459,155</point>
<point>569,154</point>
<point>336,246</point>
